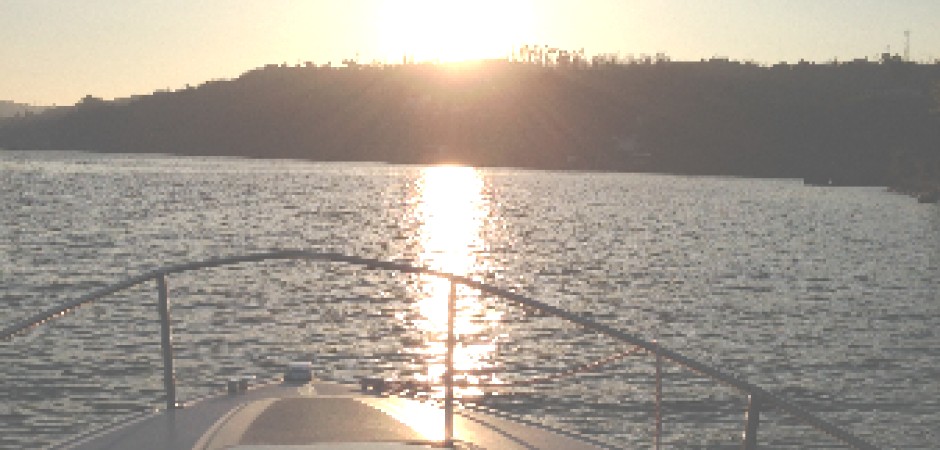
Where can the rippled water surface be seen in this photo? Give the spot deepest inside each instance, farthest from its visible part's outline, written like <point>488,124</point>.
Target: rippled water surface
<point>827,296</point>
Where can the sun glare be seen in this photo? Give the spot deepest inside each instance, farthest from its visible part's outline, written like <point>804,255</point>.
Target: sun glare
<point>427,420</point>
<point>451,209</point>
<point>453,30</point>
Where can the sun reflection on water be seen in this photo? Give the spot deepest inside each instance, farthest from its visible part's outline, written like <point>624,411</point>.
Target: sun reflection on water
<point>451,211</point>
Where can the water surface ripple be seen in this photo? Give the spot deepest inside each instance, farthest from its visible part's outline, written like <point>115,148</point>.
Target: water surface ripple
<point>828,296</point>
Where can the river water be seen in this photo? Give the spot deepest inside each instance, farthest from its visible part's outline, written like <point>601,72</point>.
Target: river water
<point>826,296</point>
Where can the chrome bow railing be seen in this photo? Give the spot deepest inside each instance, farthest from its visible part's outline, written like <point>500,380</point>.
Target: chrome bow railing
<point>759,399</point>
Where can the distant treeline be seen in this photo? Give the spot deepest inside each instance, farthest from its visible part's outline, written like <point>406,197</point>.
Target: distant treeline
<point>852,123</point>
<point>11,109</point>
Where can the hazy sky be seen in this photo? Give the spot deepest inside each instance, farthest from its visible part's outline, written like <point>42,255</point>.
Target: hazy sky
<point>56,51</point>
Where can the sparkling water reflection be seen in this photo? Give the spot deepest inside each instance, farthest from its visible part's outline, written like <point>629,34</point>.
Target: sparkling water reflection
<point>449,207</point>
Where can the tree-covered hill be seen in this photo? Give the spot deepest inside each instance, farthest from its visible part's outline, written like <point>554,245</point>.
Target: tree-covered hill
<point>851,123</point>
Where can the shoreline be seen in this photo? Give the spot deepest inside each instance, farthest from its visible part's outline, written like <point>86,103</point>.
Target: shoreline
<point>921,190</point>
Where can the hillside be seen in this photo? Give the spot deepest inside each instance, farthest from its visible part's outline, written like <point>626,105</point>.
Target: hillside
<point>855,123</point>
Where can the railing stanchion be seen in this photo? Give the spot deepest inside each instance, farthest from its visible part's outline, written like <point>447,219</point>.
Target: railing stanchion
<point>166,344</point>
<point>753,419</point>
<point>449,376</point>
<point>659,396</point>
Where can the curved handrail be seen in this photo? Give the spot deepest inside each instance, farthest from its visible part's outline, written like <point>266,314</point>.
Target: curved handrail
<point>757,393</point>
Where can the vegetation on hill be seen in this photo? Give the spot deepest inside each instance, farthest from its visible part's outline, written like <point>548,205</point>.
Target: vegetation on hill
<point>851,123</point>
<point>11,109</point>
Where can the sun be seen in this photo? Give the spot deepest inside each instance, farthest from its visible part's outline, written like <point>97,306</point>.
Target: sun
<point>453,30</point>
